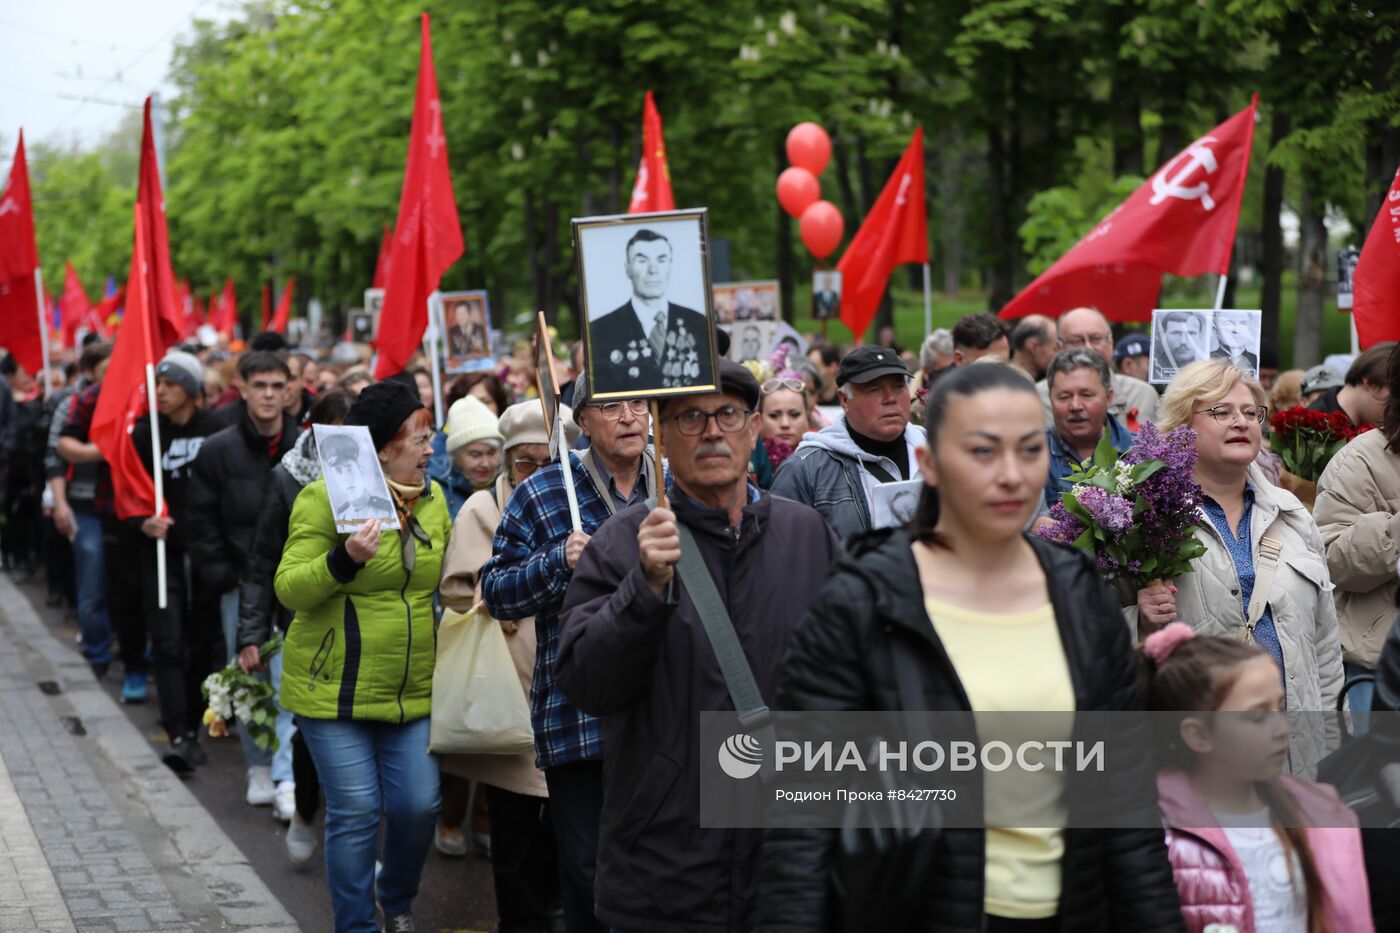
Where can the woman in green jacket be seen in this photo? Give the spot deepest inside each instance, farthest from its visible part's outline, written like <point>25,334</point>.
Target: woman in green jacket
<point>358,665</point>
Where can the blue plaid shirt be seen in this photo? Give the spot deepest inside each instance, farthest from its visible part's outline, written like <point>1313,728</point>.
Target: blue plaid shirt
<point>528,575</point>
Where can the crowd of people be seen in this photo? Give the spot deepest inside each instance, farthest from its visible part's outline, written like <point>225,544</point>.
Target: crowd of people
<point>626,585</point>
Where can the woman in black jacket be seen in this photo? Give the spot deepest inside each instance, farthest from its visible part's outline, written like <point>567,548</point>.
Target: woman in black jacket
<point>258,609</point>
<point>993,620</point>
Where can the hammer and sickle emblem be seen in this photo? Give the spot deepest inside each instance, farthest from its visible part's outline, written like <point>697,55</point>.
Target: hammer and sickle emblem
<point>902,196</point>
<point>7,206</point>
<point>1198,155</point>
<point>435,138</point>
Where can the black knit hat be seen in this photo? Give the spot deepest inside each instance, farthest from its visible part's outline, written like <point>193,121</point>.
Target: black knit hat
<point>383,407</point>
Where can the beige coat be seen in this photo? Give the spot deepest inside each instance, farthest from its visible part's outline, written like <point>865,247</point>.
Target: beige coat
<point>1305,618</point>
<point>1358,498</point>
<point>467,551</point>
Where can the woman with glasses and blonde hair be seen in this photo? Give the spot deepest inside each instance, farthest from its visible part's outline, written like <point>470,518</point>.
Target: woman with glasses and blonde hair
<point>785,407</point>
<point>1257,537</point>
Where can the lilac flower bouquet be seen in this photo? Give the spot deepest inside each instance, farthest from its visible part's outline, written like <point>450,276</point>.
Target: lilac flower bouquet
<point>1136,513</point>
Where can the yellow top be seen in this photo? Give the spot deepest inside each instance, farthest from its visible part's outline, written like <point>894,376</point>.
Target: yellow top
<point>1014,662</point>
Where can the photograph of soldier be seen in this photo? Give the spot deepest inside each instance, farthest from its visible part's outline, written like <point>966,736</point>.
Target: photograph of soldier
<point>354,479</point>
<point>468,319</point>
<point>659,339</point>
<point>826,294</point>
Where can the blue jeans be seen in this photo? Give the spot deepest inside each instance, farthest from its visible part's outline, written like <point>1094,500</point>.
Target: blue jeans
<point>228,616</point>
<point>1359,698</point>
<point>90,571</point>
<point>368,769</point>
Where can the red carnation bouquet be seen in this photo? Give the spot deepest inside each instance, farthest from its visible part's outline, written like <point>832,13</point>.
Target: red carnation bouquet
<point>1307,440</point>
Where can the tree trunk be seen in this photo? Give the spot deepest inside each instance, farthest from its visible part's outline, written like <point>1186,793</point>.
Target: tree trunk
<point>1127,122</point>
<point>786,280</point>
<point>1312,279</point>
<point>841,145</point>
<point>1271,262</point>
<point>1003,263</point>
<point>1383,152</point>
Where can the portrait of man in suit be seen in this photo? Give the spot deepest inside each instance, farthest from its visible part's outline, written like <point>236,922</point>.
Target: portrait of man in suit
<point>1237,339</point>
<point>649,342</point>
<point>467,334</point>
<point>826,294</point>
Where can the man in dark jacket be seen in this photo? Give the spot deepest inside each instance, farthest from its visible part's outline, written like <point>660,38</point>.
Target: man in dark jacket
<point>229,479</point>
<point>181,635</point>
<point>633,651</point>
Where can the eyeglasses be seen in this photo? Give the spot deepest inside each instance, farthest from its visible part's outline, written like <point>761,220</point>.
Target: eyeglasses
<point>1224,415</point>
<point>613,410</point>
<point>526,467</point>
<point>1093,340</point>
<point>776,385</point>
<point>729,418</point>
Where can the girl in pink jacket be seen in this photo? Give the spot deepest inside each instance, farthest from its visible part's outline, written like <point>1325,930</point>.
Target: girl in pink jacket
<point>1253,850</point>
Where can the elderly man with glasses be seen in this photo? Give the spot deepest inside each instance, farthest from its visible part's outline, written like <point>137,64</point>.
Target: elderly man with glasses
<point>1134,401</point>
<point>634,650</point>
<point>533,558</point>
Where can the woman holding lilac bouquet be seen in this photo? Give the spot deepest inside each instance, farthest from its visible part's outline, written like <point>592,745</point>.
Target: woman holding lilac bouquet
<point>1252,531</point>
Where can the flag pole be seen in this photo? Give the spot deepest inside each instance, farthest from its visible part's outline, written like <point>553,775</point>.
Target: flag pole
<point>43,325</point>
<point>158,475</point>
<point>1220,292</point>
<point>434,345</point>
<point>561,438</point>
<point>928,302</point>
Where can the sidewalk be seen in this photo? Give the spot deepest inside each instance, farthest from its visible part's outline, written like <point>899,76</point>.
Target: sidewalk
<point>96,834</point>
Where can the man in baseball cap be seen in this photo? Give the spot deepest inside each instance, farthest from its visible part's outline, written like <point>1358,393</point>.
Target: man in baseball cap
<point>836,470</point>
<point>1131,356</point>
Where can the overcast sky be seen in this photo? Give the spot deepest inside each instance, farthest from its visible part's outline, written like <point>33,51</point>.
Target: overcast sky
<point>71,68</point>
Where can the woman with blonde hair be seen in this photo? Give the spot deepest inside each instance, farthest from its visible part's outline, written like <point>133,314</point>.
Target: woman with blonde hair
<point>1257,537</point>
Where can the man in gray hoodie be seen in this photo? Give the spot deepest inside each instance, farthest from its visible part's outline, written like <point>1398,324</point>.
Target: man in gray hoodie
<point>838,470</point>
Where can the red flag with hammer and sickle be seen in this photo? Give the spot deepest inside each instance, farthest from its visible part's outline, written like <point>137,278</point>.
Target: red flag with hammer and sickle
<point>1376,281</point>
<point>427,235</point>
<point>1182,220</point>
<point>652,192</point>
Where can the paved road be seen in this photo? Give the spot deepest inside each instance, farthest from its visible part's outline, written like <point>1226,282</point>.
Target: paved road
<point>456,894</point>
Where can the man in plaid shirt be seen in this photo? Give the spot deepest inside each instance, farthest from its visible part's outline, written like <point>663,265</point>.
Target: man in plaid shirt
<point>533,559</point>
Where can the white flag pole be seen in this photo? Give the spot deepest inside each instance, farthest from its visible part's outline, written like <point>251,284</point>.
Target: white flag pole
<point>561,444</point>
<point>434,345</point>
<point>928,302</point>
<point>43,325</point>
<point>1220,292</point>
<point>158,475</point>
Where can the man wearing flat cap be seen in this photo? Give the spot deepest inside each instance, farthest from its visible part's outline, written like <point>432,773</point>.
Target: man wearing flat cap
<point>634,651</point>
<point>837,469</point>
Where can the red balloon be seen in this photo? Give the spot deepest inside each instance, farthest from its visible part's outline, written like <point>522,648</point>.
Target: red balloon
<point>822,227</point>
<point>809,147</point>
<point>798,189</point>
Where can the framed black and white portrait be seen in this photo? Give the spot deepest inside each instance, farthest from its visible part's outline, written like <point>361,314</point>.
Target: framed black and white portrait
<point>826,294</point>
<point>1234,338</point>
<point>374,305</point>
<point>467,328</point>
<point>751,340</point>
<point>1179,338</point>
<point>354,477</point>
<point>644,287</point>
<point>361,326</point>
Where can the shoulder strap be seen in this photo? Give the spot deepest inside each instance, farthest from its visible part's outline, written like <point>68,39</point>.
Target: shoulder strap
<point>1265,567</point>
<point>719,629</point>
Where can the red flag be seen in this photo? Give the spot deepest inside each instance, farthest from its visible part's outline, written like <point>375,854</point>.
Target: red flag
<point>76,308</point>
<point>427,235</point>
<point>1376,281</point>
<point>166,307</point>
<point>266,306</point>
<point>895,232</point>
<point>1182,220</point>
<point>102,312</point>
<point>381,265</point>
<point>227,316</point>
<point>123,398</point>
<point>652,192</point>
<point>20,311</point>
<point>284,307</point>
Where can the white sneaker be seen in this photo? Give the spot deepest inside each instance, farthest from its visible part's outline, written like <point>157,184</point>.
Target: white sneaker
<point>301,841</point>
<point>261,791</point>
<point>286,803</point>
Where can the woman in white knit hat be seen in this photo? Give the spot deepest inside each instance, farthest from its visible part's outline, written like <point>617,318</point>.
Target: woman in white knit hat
<point>522,836</point>
<point>474,444</point>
